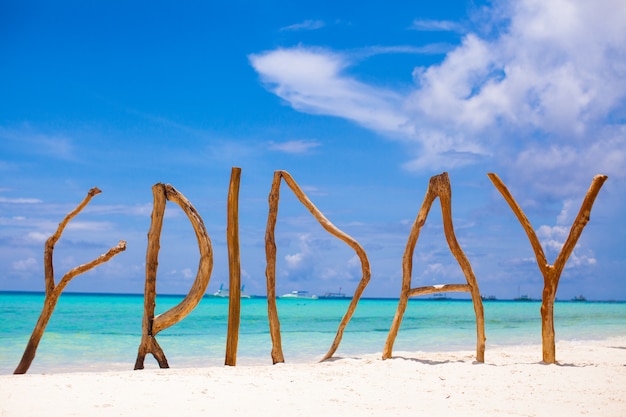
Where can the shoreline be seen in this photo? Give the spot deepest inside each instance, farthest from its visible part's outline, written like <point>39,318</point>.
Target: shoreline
<point>44,364</point>
<point>177,362</point>
<point>589,379</point>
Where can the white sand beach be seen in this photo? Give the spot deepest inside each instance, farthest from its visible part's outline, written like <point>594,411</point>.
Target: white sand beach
<point>589,380</point>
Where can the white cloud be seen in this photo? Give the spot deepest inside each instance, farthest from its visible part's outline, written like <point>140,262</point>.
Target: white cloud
<point>549,73</point>
<point>29,264</point>
<point>185,273</point>
<point>553,238</point>
<point>19,200</point>
<point>311,190</point>
<point>572,168</point>
<point>89,226</point>
<point>312,81</point>
<point>37,237</point>
<point>430,49</point>
<point>438,273</point>
<point>329,274</point>
<point>140,210</point>
<point>306,25</point>
<point>295,146</point>
<point>436,25</point>
<point>543,86</point>
<point>351,270</point>
<point>313,259</point>
<point>294,260</point>
<point>355,261</point>
<point>57,146</point>
<point>439,149</point>
<point>566,215</point>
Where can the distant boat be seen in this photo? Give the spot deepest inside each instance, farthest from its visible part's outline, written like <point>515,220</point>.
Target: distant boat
<point>523,297</point>
<point>333,295</point>
<point>579,298</point>
<point>299,295</point>
<point>225,292</point>
<point>488,297</point>
<point>440,296</point>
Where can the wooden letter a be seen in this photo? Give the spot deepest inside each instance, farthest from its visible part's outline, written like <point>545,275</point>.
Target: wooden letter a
<point>439,186</point>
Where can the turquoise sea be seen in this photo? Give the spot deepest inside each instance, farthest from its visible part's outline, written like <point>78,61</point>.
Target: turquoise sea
<point>97,332</point>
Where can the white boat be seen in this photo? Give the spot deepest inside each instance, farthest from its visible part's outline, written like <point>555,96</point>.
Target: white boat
<point>299,295</point>
<point>225,292</point>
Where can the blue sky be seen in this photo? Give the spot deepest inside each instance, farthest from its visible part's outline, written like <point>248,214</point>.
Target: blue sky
<point>361,103</point>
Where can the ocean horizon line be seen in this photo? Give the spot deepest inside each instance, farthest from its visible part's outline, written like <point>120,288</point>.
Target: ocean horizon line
<point>346,298</point>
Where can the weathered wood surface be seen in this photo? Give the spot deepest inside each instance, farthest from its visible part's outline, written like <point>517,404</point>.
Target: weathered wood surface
<point>433,289</point>
<point>551,273</point>
<point>439,186</point>
<point>234,267</point>
<point>270,270</point>
<point>152,325</point>
<point>54,290</point>
<point>270,245</point>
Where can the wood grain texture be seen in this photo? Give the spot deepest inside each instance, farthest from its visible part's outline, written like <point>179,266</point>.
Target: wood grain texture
<point>234,268</point>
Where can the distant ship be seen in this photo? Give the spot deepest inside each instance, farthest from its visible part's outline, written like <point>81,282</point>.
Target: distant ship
<point>488,297</point>
<point>299,295</point>
<point>440,296</point>
<point>225,292</point>
<point>523,297</point>
<point>579,298</point>
<point>333,295</point>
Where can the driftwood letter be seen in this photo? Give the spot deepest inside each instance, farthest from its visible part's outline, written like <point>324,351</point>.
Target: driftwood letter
<point>551,273</point>
<point>151,324</point>
<point>53,291</point>
<point>270,271</point>
<point>439,186</point>
<point>234,268</point>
